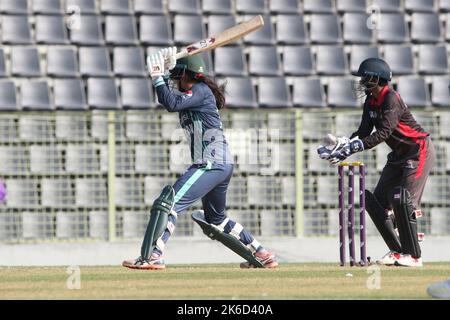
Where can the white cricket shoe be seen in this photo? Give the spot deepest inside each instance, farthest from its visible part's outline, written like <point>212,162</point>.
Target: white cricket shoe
<point>440,289</point>
<point>389,258</point>
<point>156,262</point>
<point>406,260</point>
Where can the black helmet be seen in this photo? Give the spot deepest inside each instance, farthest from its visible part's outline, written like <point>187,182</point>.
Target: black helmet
<point>374,67</point>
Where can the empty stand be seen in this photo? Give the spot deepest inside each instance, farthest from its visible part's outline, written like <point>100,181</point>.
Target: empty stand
<point>291,29</point>
<point>308,93</point>
<point>69,94</point>
<point>35,95</point>
<point>298,61</point>
<point>414,91</point>
<point>62,62</point>
<point>241,92</point>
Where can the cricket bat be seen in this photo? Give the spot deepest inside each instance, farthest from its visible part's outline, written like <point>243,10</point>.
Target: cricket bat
<point>225,37</point>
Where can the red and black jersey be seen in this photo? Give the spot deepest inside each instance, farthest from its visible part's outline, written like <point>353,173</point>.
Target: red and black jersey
<point>394,124</point>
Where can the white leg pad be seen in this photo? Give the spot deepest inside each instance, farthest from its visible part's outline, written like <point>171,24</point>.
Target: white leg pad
<point>236,231</point>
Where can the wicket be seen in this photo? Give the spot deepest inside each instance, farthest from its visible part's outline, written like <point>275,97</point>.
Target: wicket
<point>351,213</point>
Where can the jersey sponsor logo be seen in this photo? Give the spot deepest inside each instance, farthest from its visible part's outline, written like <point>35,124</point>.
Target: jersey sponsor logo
<point>373,114</point>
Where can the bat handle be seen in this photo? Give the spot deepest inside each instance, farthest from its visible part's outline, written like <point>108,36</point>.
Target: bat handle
<point>183,53</point>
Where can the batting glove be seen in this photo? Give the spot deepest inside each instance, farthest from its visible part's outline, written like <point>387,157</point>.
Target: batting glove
<point>170,60</point>
<point>155,66</point>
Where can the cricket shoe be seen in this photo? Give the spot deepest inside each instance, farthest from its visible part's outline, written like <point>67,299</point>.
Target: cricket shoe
<point>389,258</point>
<point>406,260</point>
<point>156,262</point>
<point>440,290</point>
<point>266,258</point>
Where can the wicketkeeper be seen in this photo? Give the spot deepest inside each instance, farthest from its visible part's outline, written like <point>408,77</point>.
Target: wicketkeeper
<point>197,102</point>
<point>404,176</point>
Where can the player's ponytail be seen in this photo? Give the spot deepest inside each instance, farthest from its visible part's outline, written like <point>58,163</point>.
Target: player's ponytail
<point>218,91</point>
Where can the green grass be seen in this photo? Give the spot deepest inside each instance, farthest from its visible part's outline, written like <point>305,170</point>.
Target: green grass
<point>222,281</point>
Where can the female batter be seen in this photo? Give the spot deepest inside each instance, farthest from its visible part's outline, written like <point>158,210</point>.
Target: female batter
<point>197,103</point>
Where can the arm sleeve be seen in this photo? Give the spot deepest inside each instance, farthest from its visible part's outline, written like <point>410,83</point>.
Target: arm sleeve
<point>392,113</point>
<point>174,103</point>
<point>366,125</point>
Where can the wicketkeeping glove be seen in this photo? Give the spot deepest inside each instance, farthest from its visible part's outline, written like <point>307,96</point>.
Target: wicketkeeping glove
<point>330,145</point>
<point>155,66</point>
<point>353,146</point>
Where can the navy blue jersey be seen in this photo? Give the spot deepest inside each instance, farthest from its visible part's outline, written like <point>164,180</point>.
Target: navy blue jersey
<point>200,119</point>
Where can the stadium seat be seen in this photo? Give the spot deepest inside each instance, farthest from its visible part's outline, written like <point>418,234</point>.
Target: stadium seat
<point>392,28</point>
<point>102,93</point>
<point>71,127</point>
<point>218,23</point>
<point>358,53</point>
<point>436,190</point>
<point>129,62</point>
<point>355,28</point>
<point>264,36</point>
<point>45,159</point>
<point>137,93</point>
<point>276,223</point>
<point>15,160</point>
<point>35,95</point>
<point>440,91</point>
<point>444,5</point>
<point>82,159</point>
<point>91,192</point>
<point>284,7</point>
<point>120,30</point>
<point>273,92</point>
<point>399,58</point>
<point>230,61</point>
<point>388,5</point>
<point>62,62</point>
<point>89,32</point>
<point>142,126</point>
<point>188,29</point>
<point>241,93</point>
<point>35,128</point>
<point>94,62</point>
<point>440,224</point>
<point>425,27</point>
<point>151,159</point>
<point>251,6</point>
<point>184,7</point>
<point>86,6</point>
<point>37,225</point>
<point>308,93</point>
<point>8,96</point>
<point>22,193</point>
<point>217,7</point>
<point>343,6</point>
<point>317,6</point>
<point>70,225</point>
<point>265,191</point>
<point>148,7</point>
<point>25,62</point>
<point>47,7</point>
<point>433,59</point>
<point>15,30</point>
<point>134,224</point>
<point>331,60</point>
<point>155,30</point>
<point>98,224</point>
<point>115,7</point>
<point>14,6</point>
<point>340,93</point>
<point>288,191</point>
<point>57,192</point>
<point>325,29</point>
<point>264,61</point>
<point>291,29</point>
<point>153,186</point>
<point>50,29</point>
<point>419,6</point>
<point>414,91</point>
<point>69,94</point>
<point>128,192</point>
<point>2,63</point>
<point>298,61</point>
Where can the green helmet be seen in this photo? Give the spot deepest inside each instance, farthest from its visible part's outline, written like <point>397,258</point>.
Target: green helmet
<point>194,64</point>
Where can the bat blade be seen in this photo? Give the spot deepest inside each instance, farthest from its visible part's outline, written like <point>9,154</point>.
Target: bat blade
<point>225,37</point>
